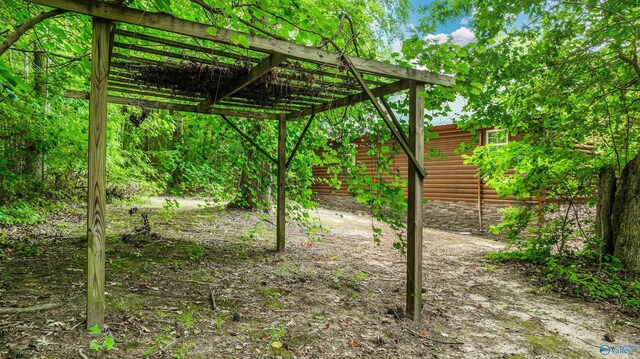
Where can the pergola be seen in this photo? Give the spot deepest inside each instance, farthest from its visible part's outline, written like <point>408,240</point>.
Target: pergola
<point>314,81</point>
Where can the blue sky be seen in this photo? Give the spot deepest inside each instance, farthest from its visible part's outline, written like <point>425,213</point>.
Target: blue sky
<point>447,28</point>
<point>456,28</point>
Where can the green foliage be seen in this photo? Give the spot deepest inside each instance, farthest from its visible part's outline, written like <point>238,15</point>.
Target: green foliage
<point>580,275</point>
<point>275,337</point>
<point>560,77</point>
<point>43,136</point>
<point>24,247</point>
<point>549,248</point>
<point>19,213</point>
<point>105,343</point>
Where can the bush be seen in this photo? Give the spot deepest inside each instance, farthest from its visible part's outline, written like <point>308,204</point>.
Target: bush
<point>19,213</point>
<point>580,271</point>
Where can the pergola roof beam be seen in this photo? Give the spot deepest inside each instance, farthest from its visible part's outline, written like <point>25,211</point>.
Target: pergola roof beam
<point>184,46</point>
<point>174,106</point>
<point>138,48</point>
<point>126,82</point>
<point>167,22</point>
<point>204,50</point>
<point>263,67</point>
<point>225,103</point>
<point>385,90</point>
<point>139,60</point>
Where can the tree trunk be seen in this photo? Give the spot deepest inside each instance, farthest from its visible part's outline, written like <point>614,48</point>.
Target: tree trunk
<point>625,216</point>
<point>247,197</point>
<point>176,173</point>
<point>606,198</point>
<point>255,180</point>
<point>32,155</point>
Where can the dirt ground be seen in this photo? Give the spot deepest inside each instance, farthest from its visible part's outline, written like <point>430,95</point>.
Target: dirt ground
<point>333,294</point>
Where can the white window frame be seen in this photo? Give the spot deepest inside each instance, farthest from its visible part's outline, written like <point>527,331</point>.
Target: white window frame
<point>486,137</point>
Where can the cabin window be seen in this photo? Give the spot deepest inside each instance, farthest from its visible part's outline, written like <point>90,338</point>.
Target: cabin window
<point>497,137</point>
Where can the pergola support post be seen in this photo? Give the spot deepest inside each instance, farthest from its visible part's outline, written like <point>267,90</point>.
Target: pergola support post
<point>96,196</point>
<point>282,169</point>
<point>414,214</point>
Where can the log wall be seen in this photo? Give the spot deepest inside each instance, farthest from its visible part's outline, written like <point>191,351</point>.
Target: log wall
<point>448,178</point>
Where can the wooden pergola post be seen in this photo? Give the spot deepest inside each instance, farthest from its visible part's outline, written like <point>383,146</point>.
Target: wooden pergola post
<point>282,170</point>
<point>96,199</point>
<point>414,214</point>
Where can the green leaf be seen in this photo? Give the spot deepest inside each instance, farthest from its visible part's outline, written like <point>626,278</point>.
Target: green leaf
<point>108,342</point>
<point>95,329</point>
<point>213,31</point>
<point>240,40</point>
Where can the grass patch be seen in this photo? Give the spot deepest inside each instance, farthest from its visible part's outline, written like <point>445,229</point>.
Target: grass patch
<point>271,298</point>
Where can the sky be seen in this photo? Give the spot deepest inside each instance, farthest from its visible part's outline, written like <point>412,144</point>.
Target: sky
<point>447,28</point>
<point>456,28</point>
<point>461,35</point>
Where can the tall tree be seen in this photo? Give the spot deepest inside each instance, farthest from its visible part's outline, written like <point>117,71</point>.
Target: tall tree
<point>561,74</point>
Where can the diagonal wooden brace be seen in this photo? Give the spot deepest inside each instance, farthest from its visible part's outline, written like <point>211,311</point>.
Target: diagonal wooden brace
<point>394,118</point>
<point>304,131</point>
<point>396,133</point>
<point>261,69</point>
<point>246,137</point>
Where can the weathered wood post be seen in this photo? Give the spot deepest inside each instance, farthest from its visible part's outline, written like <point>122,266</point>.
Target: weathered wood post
<point>414,214</point>
<point>282,169</point>
<point>100,51</point>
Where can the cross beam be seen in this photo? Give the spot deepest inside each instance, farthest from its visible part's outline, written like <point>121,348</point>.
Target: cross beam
<point>262,68</point>
<point>174,106</point>
<point>170,23</point>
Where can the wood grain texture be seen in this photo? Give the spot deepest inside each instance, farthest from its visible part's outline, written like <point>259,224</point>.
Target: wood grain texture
<point>350,100</point>
<point>449,178</point>
<point>209,51</point>
<point>100,51</point>
<point>414,213</point>
<point>174,106</point>
<point>166,22</point>
<point>395,131</point>
<point>282,171</point>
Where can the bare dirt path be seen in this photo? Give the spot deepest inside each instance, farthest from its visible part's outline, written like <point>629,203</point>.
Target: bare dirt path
<point>491,309</point>
<point>331,295</point>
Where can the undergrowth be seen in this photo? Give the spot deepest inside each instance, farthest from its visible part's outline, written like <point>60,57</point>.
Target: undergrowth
<point>580,276</point>
<point>565,258</point>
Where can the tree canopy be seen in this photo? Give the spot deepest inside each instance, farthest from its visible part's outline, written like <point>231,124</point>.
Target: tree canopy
<point>562,77</point>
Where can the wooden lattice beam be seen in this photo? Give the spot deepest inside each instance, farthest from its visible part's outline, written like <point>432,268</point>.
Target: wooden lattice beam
<point>384,90</point>
<point>209,51</point>
<point>418,163</point>
<point>263,67</point>
<point>167,22</point>
<point>175,106</point>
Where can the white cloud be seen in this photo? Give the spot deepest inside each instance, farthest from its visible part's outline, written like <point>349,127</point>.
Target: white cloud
<point>461,36</point>
<point>396,46</point>
<point>464,21</point>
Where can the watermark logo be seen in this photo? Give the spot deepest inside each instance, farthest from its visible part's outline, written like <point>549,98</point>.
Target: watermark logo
<point>621,349</point>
